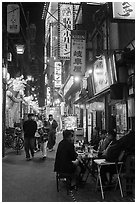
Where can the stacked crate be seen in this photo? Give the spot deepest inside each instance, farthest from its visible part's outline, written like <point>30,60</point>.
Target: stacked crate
<point>129,178</point>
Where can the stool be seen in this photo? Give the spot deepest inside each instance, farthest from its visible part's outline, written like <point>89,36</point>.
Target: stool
<point>62,176</point>
<point>103,162</point>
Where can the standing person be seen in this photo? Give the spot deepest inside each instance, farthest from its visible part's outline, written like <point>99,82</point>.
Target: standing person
<point>37,135</point>
<point>29,128</point>
<point>51,124</point>
<point>44,140</point>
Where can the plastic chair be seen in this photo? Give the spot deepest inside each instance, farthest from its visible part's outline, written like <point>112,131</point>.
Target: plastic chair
<point>103,162</point>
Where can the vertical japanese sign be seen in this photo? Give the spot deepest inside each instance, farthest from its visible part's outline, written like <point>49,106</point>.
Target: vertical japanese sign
<point>13,18</point>
<point>123,10</point>
<point>57,74</point>
<point>66,23</point>
<point>48,96</point>
<point>78,52</point>
<point>100,75</point>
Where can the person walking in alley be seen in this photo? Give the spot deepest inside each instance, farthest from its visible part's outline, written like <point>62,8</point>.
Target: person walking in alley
<point>29,128</point>
<point>51,124</point>
<point>43,141</point>
<point>37,135</point>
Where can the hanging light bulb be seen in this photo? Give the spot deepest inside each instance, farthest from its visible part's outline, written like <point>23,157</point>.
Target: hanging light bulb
<point>77,78</point>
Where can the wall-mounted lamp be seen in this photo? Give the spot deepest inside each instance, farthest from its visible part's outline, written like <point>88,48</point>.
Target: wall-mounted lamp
<point>9,57</point>
<point>29,78</point>
<point>20,49</point>
<point>82,106</point>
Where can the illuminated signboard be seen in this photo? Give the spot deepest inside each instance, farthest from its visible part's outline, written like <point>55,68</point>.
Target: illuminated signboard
<point>57,74</point>
<point>46,79</point>
<point>48,96</point>
<point>68,85</point>
<point>13,18</point>
<point>78,51</point>
<point>123,10</point>
<point>100,75</point>
<point>66,18</point>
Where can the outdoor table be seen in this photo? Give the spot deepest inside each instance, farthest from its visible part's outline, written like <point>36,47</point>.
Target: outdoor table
<point>87,159</point>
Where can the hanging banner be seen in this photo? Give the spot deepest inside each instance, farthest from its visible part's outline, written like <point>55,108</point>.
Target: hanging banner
<point>123,10</point>
<point>78,52</point>
<point>13,18</point>
<point>100,75</point>
<point>57,74</point>
<point>66,24</point>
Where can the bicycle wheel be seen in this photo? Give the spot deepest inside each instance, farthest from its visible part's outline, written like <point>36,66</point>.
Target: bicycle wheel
<point>18,143</point>
<point>8,140</point>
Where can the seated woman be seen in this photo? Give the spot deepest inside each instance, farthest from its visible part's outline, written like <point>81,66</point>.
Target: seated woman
<point>66,160</point>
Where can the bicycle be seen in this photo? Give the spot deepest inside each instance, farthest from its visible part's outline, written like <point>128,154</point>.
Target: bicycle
<point>9,137</point>
<point>18,141</point>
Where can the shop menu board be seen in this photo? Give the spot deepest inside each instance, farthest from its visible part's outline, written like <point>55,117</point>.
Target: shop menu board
<point>69,122</point>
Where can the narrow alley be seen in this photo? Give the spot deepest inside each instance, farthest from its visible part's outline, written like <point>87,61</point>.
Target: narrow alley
<point>35,181</point>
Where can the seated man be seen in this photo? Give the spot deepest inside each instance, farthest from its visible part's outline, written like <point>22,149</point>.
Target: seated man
<point>125,143</point>
<point>111,140</point>
<point>123,146</point>
<point>66,160</point>
<point>103,142</point>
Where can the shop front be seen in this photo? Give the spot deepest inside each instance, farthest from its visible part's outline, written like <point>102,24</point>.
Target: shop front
<point>107,108</point>
<point>112,104</point>
<point>98,104</point>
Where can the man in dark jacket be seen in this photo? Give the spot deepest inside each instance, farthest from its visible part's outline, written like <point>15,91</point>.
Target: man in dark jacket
<point>29,128</point>
<point>66,160</point>
<point>51,124</point>
<point>65,154</point>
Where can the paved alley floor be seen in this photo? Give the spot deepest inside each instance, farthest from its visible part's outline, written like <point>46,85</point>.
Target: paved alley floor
<point>35,181</point>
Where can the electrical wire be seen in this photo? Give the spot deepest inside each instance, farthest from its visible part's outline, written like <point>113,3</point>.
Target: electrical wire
<point>24,15</point>
<point>57,20</point>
